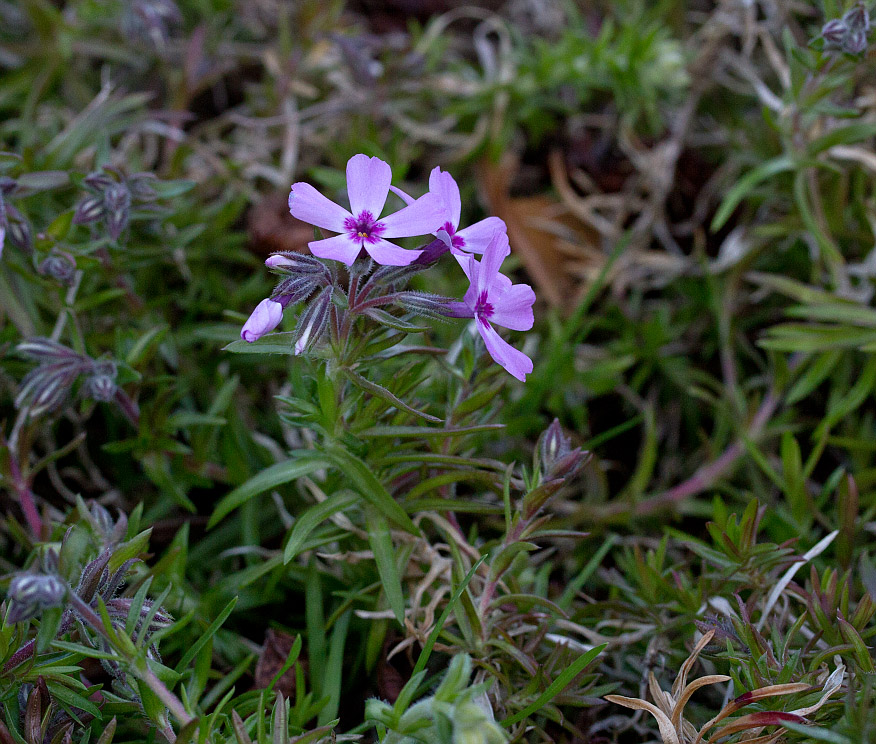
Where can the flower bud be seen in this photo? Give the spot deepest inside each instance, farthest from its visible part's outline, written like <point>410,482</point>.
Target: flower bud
<point>856,42</point>
<point>423,303</point>
<point>117,205</point>
<point>30,594</point>
<point>18,229</point>
<point>264,319</point>
<point>298,263</point>
<point>313,321</point>
<point>857,18</point>
<point>834,33</point>
<point>295,288</point>
<point>90,209</point>
<point>556,457</point>
<point>101,388</point>
<point>98,180</point>
<point>59,267</point>
<point>433,251</point>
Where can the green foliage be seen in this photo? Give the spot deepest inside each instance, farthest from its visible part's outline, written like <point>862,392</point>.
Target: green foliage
<point>442,563</point>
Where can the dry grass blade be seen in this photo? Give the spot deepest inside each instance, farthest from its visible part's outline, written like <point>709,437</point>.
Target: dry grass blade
<point>750,697</point>
<point>688,691</point>
<point>667,730</point>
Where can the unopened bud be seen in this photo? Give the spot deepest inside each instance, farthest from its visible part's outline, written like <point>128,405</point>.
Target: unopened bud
<point>30,594</point>
<point>432,252</point>
<point>101,388</point>
<point>99,180</point>
<point>298,263</point>
<point>90,209</point>
<point>295,289</point>
<point>313,321</point>
<point>116,204</point>
<point>18,229</point>
<point>423,303</point>
<point>59,267</point>
<point>857,18</point>
<point>556,456</point>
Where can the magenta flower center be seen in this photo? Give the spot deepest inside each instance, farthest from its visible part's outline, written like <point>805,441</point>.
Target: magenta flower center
<point>365,228</point>
<point>483,310</point>
<point>456,241</point>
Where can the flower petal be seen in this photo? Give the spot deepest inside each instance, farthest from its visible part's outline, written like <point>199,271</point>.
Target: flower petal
<point>264,319</point>
<point>497,251</point>
<point>422,217</point>
<point>368,182</point>
<point>339,248</point>
<point>514,361</point>
<point>389,254</point>
<point>308,205</point>
<point>512,308</point>
<point>404,196</point>
<point>477,237</point>
<point>442,184</point>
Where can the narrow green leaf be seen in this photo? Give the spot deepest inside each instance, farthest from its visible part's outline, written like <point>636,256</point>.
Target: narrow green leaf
<point>271,477</point>
<point>334,670</point>
<point>205,636</point>
<point>380,540</point>
<point>384,394</point>
<point>556,687</point>
<point>745,185</point>
<point>442,618</point>
<point>313,517</point>
<point>273,343</point>
<point>366,483</point>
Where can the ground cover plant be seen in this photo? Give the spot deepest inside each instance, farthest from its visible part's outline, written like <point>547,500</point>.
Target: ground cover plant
<point>423,372</point>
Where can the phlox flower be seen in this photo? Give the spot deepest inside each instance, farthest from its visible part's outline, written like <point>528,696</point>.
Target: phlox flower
<point>472,239</point>
<point>368,181</point>
<point>493,299</point>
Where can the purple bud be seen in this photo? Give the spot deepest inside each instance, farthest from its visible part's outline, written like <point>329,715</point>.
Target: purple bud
<point>294,289</point>
<point>90,209</point>
<point>29,594</point>
<point>432,252</point>
<point>423,303</point>
<point>857,18</point>
<point>313,321</point>
<point>59,267</point>
<point>98,180</point>
<point>856,42</point>
<point>556,456</point>
<point>101,388</point>
<point>264,319</point>
<point>297,263</point>
<point>18,229</point>
<point>116,203</point>
<point>834,33</point>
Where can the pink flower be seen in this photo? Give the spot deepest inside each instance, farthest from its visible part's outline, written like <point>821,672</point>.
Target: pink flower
<point>472,239</point>
<point>264,319</point>
<point>492,298</point>
<point>361,228</point>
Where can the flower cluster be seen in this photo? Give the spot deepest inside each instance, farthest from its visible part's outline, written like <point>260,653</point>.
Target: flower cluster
<point>364,232</point>
<point>849,33</point>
